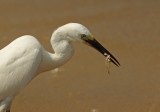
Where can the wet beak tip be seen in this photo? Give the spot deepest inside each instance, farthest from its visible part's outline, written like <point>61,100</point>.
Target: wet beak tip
<point>94,43</point>
<point>112,59</point>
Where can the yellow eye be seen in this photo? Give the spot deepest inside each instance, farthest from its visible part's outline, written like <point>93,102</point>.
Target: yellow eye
<point>83,36</point>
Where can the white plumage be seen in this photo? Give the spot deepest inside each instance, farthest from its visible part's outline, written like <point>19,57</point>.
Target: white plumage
<point>24,58</point>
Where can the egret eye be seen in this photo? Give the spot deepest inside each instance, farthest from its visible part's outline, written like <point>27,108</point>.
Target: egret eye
<point>83,36</point>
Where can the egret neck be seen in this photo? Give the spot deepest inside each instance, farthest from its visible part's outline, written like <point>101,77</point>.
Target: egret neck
<point>63,51</point>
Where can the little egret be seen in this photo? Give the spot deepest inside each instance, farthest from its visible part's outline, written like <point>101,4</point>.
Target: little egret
<point>25,58</point>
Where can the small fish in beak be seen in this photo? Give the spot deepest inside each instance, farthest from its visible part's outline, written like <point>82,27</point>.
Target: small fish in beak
<point>94,43</point>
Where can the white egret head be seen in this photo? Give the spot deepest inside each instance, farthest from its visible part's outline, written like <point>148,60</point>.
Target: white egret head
<point>72,32</point>
<point>78,32</point>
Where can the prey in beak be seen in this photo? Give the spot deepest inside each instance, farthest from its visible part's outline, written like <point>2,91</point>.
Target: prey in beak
<point>95,44</point>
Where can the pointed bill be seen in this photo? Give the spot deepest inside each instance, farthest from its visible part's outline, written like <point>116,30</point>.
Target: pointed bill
<point>94,43</point>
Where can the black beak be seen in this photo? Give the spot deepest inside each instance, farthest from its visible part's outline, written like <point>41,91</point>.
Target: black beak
<point>94,43</point>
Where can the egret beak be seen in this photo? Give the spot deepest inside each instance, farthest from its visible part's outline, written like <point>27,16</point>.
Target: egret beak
<point>94,43</point>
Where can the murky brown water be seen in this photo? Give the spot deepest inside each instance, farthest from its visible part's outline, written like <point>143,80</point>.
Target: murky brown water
<point>129,29</point>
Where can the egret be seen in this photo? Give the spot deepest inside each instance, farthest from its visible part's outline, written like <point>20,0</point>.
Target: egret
<point>25,58</point>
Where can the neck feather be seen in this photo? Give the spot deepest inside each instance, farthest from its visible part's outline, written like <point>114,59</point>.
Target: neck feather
<point>63,52</point>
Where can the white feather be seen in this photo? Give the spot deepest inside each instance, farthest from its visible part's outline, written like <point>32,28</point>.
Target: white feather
<point>24,58</point>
